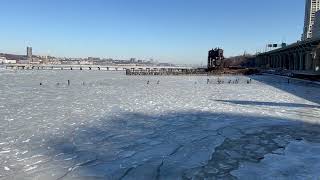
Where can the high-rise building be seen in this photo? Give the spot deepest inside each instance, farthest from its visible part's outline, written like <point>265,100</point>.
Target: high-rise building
<point>29,54</point>
<point>312,6</point>
<point>316,26</point>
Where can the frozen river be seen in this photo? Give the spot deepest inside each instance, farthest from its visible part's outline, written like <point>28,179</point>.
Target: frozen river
<point>106,125</point>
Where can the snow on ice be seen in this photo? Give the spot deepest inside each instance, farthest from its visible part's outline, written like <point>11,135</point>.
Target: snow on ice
<point>114,126</point>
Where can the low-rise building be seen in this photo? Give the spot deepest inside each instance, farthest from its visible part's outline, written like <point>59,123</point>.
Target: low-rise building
<point>86,62</point>
<point>9,61</point>
<point>23,62</point>
<point>2,59</point>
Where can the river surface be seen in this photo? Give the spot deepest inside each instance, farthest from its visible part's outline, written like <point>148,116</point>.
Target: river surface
<point>105,125</point>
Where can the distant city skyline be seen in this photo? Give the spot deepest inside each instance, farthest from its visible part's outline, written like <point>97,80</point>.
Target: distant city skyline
<point>174,31</point>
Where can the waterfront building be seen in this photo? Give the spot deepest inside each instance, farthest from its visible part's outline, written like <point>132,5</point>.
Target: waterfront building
<point>4,60</point>
<point>312,6</point>
<point>316,26</point>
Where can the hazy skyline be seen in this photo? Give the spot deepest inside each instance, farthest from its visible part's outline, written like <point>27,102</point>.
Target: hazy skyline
<point>179,31</point>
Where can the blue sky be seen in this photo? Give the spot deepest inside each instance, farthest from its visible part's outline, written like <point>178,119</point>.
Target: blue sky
<point>180,31</point>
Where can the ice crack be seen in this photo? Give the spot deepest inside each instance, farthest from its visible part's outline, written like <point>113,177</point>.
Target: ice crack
<point>176,150</point>
<point>77,166</point>
<point>159,170</point>
<point>126,173</point>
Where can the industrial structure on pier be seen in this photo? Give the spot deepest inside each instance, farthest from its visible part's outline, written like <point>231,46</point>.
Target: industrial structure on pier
<point>215,58</point>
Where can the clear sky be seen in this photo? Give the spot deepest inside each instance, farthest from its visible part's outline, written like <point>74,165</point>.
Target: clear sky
<point>180,31</point>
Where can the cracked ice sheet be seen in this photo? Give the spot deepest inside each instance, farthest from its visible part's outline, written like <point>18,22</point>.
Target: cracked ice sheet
<point>300,160</point>
<point>115,122</point>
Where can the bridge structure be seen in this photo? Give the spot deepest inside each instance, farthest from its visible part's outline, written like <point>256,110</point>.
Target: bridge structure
<point>300,57</point>
<point>94,67</point>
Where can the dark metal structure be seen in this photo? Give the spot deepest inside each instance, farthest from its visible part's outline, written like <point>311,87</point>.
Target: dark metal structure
<point>215,59</point>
